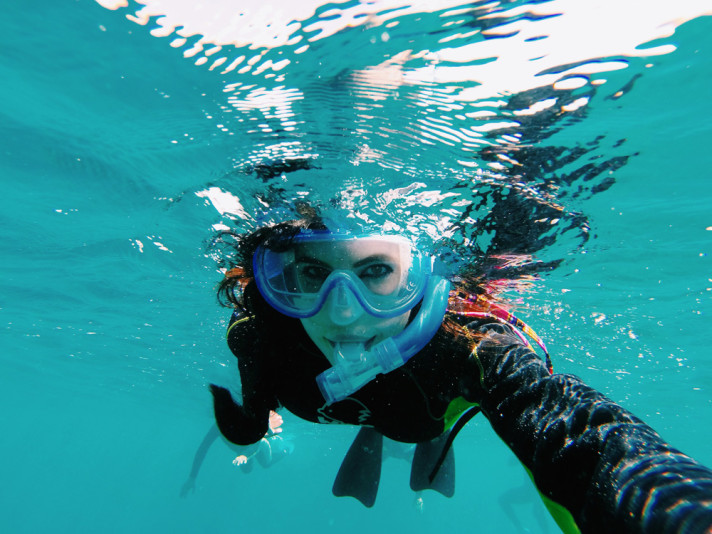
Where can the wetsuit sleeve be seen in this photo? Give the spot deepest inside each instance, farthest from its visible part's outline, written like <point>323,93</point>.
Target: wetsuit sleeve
<point>210,437</point>
<point>202,451</point>
<point>598,467</point>
<point>247,423</point>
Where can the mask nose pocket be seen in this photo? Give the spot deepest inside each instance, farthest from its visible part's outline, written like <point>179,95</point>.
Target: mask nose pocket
<point>344,307</point>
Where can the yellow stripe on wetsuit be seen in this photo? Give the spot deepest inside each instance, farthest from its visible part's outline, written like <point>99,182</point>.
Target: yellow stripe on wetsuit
<point>237,321</point>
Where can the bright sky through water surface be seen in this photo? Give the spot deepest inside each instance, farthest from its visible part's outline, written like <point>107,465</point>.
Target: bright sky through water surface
<point>453,82</point>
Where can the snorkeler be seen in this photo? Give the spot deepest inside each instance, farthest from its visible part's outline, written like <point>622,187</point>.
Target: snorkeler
<point>364,330</point>
<point>267,451</point>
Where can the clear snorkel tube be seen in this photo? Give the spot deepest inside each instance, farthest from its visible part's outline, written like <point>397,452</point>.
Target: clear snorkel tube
<point>355,366</point>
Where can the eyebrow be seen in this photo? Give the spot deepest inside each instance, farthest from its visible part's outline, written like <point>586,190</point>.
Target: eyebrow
<point>374,257</point>
<point>309,259</point>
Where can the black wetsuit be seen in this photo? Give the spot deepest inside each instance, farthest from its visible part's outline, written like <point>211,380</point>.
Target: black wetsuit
<point>408,404</point>
<point>598,467</point>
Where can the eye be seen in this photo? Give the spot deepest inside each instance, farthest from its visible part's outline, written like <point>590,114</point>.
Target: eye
<point>311,276</point>
<point>314,272</point>
<point>376,271</point>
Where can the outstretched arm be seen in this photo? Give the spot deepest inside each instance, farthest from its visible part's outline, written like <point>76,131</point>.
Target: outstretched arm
<point>189,485</point>
<point>598,467</point>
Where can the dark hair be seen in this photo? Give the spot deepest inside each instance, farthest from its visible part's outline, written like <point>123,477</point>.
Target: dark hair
<point>238,289</point>
<point>241,249</point>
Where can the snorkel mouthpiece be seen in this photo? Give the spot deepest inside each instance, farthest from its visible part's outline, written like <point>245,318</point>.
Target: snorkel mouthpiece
<point>355,366</point>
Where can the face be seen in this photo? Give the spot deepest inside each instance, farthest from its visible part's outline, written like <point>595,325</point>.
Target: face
<point>380,265</point>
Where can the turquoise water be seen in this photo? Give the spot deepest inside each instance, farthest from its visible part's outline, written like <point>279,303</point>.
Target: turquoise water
<point>116,145</point>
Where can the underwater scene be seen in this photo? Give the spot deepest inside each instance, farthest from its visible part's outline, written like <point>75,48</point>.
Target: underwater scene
<point>559,149</point>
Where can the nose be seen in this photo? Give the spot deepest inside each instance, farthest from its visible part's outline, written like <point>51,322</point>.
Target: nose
<point>343,306</point>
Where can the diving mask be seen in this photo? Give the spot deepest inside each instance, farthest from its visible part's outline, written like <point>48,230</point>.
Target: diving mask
<point>383,274</point>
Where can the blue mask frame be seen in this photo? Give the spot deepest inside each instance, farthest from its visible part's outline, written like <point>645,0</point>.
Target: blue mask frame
<point>273,278</point>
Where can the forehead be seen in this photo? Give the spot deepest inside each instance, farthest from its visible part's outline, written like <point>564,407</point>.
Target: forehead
<point>353,249</point>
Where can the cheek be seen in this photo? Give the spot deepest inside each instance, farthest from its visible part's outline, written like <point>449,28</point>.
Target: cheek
<point>320,325</point>
<point>316,324</point>
<point>312,328</point>
<point>316,334</point>
<point>391,327</point>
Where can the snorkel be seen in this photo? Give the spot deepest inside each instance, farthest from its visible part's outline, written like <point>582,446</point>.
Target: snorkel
<point>355,366</point>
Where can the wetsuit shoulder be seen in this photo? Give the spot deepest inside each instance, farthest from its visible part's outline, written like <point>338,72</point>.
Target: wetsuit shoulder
<point>246,342</point>
<point>240,330</point>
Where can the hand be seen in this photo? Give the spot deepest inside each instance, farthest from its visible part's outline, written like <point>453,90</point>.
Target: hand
<point>240,460</point>
<point>188,487</point>
<point>275,422</point>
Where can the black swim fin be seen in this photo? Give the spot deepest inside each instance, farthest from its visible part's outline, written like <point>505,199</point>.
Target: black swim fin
<point>360,472</point>
<point>428,455</point>
<point>433,464</point>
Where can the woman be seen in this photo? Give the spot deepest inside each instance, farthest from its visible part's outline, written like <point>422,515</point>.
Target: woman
<point>363,330</point>
<point>267,451</point>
